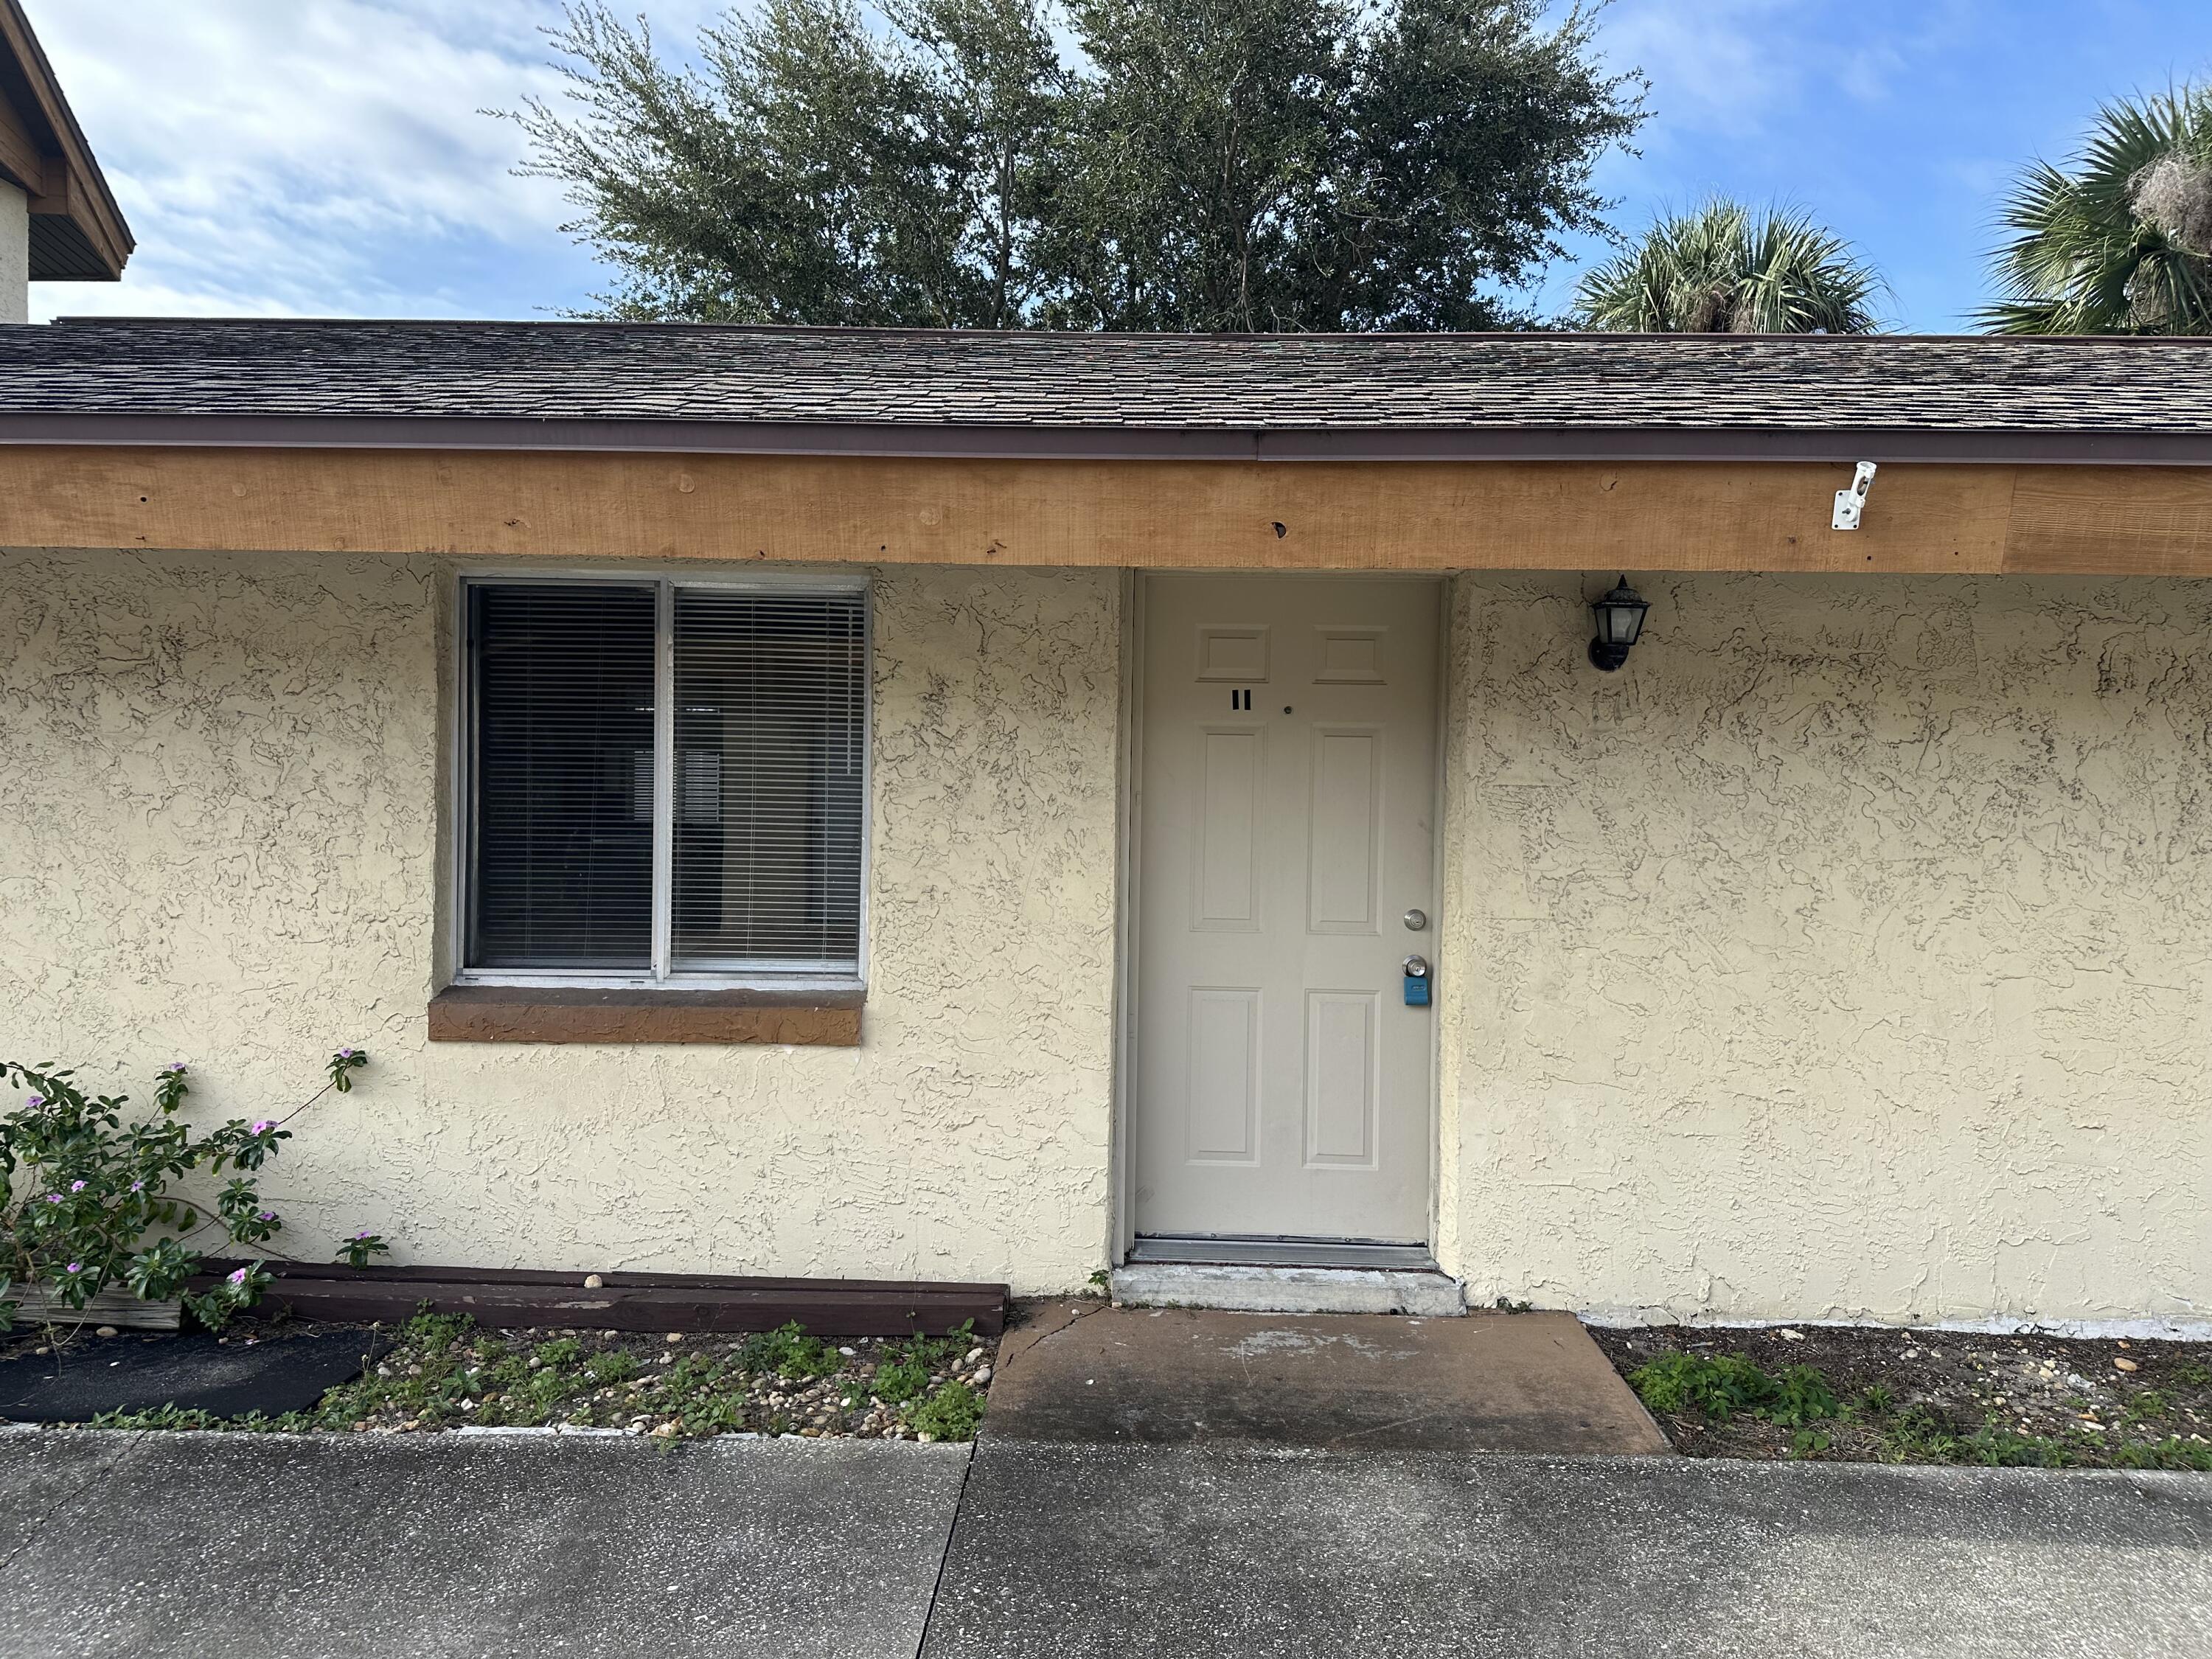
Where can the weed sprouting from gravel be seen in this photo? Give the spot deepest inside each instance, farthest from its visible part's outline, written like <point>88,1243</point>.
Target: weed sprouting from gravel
<point>2028,1400</point>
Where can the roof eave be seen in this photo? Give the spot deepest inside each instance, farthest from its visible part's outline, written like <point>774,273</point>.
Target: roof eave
<point>2085,447</point>
<point>78,231</point>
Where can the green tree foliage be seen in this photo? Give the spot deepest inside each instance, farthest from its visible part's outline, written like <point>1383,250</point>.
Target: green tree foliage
<point>2121,241</point>
<point>1206,165</point>
<point>1726,268</point>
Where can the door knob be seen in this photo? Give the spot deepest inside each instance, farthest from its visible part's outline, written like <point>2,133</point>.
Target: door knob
<point>1416,982</point>
<point>1416,920</point>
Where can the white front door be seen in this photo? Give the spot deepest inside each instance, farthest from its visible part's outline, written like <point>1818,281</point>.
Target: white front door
<point>1286,817</point>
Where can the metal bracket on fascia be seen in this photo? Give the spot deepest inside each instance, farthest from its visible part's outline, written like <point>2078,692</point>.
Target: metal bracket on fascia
<point>1850,503</point>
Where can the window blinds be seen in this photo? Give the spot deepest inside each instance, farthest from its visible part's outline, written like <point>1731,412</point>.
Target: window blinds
<point>768,733</point>
<point>563,701</point>
<point>762,848</point>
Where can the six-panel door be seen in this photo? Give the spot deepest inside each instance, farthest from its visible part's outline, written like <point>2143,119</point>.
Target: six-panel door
<point>1286,811</point>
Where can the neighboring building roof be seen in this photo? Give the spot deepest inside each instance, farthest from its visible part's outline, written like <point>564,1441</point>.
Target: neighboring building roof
<point>77,233</point>
<point>596,385</point>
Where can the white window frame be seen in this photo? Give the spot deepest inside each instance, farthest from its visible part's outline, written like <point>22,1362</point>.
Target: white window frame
<point>663,975</point>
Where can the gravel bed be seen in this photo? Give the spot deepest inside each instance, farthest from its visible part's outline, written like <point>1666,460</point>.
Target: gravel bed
<point>1924,1395</point>
<point>445,1373</point>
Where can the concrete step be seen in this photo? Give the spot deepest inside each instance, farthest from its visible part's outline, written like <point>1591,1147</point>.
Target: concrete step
<point>1085,1372</point>
<point>1431,1294</point>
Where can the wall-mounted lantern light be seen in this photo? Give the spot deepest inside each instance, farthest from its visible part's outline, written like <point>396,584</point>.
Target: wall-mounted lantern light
<point>1620,619</point>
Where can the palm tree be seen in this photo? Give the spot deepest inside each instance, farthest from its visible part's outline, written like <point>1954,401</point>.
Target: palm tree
<point>1724,268</point>
<point>2122,244</point>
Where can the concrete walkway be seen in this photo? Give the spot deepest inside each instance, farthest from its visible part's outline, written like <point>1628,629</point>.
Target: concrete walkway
<point>1082,1373</point>
<point>1199,1552</point>
<point>336,1547</point>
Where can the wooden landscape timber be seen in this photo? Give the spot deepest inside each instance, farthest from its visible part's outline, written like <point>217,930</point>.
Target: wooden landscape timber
<point>526,1298</point>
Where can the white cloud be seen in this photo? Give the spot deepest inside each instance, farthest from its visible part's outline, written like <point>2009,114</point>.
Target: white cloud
<point>1730,67</point>
<point>316,156</point>
<point>1715,65</point>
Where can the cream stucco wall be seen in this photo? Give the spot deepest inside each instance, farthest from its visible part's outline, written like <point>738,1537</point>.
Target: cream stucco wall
<point>14,255</point>
<point>1848,954</point>
<point>220,845</point>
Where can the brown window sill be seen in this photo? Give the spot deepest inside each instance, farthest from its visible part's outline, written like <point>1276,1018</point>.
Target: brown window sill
<point>499,1014</point>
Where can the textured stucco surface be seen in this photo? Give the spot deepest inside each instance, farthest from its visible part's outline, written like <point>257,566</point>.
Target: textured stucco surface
<point>1848,954</point>
<point>14,255</point>
<point>223,846</point>
<point>1845,956</point>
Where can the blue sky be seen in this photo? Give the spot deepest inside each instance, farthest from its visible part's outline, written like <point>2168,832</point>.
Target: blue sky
<point>328,157</point>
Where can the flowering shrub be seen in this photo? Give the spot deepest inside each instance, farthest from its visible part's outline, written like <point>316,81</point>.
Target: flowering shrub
<point>85,1197</point>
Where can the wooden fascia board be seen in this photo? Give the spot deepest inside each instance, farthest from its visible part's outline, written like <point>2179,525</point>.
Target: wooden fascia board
<point>1427,515</point>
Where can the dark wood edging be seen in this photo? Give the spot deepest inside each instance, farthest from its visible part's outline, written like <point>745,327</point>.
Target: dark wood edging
<point>508,1298</point>
<point>495,1013</point>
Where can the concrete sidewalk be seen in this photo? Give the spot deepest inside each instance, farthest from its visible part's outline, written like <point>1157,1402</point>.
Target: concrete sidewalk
<point>360,1547</point>
<point>1200,1551</point>
<point>267,1547</point>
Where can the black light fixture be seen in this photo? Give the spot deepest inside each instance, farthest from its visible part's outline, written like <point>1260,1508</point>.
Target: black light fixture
<point>1620,619</point>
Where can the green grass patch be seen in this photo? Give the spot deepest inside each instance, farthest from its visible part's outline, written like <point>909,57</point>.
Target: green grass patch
<point>790,1353</point>
<point>1724,1386</point>
<point>897,1381</point>
<point>952,1411</point>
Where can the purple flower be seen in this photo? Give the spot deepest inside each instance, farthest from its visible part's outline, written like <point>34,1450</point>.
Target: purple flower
<point>76,1186</point>
<point>268,1215</point>
<point>137,1185</point>
<point>75,1267</point>
<point>263,1127</point>
<point>53,1198</point>
<point>239,1278</point>
<point>345,1054</point>
<point>364,1233</point>
<point>36,1100</point>
<point>177,1065</point>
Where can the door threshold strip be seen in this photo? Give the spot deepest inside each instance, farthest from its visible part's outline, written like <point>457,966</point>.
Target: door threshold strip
<point>1193,1251</point>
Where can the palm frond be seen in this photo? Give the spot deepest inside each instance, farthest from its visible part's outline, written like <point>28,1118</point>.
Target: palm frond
<point>2084,257</point>
<point>1724,268</point>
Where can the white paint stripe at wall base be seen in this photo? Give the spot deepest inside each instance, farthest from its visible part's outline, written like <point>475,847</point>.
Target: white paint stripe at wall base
<point>2148,1330</point>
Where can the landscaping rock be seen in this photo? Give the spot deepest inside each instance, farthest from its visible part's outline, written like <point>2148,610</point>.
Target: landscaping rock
<point>440,1371</point>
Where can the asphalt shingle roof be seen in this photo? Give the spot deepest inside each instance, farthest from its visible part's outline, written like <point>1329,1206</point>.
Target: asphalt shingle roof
<point>560,371</point>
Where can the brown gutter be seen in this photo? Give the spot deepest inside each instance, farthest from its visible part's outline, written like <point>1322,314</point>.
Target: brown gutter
<point>2049,448</point>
